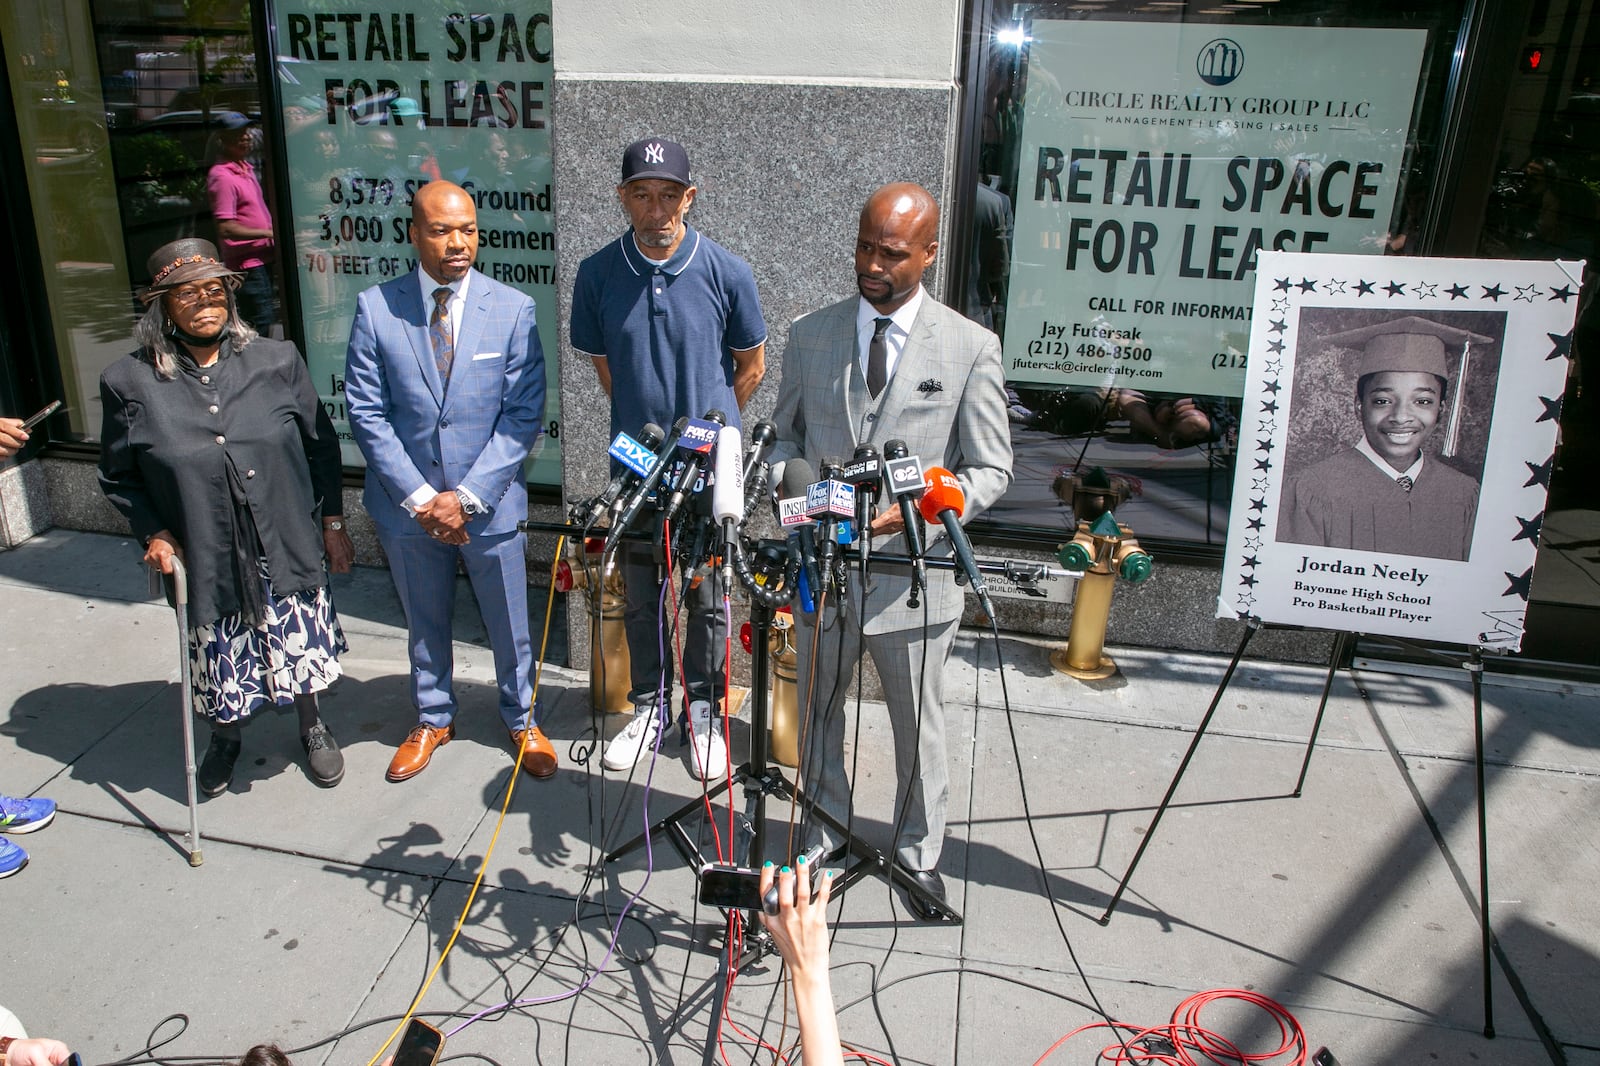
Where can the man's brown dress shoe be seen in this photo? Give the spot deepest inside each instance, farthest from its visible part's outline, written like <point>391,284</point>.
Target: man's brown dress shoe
<point>538,754</point>
<point>417,749</point>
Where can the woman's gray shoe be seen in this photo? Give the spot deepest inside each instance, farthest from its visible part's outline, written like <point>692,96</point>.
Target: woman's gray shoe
<point>216,769</point>
<point>323,757</point>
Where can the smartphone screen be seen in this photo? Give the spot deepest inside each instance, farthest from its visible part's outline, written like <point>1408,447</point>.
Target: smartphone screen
<point>41,414</point>
<point>729,887</point>
<point>420,1046</point>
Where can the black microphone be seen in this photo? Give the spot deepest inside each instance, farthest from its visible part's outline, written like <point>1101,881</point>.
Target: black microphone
<point>903,471</point>
<point>641,492</point>
<point>637,458</point>
<point>797,475</point>
<point>865,472</point>
<point>762,434</point>
<point>698,439</point>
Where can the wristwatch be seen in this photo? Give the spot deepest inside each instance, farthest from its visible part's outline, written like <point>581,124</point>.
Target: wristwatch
<point>5,1047</point>
<point>468,508</point>
<point>333,525</point>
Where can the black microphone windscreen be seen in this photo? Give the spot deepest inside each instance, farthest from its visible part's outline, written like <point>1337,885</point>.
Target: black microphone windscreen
<point>797,477</point>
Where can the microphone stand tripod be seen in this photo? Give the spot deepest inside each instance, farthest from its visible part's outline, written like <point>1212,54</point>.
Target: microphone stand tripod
<point>761,780</point>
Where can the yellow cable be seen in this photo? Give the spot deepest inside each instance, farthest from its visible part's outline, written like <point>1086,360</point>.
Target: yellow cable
<point>511,787</point>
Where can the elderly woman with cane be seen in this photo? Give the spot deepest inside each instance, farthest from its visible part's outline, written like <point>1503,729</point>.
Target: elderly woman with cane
<point>217,450</point>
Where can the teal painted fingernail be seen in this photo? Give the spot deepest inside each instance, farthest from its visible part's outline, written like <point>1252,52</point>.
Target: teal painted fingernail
<point>766,865</point>
<point>827,875</point>
<point>800,861</point>
<point>786,870</point>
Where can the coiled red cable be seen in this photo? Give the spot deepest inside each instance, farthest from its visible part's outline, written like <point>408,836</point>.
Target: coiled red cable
<point>1185,1042</point>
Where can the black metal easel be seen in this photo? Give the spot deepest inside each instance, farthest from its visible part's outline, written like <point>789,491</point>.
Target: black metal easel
<point>1474,667</point>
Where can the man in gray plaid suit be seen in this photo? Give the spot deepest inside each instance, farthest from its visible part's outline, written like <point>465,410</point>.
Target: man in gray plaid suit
<point>892,363</point>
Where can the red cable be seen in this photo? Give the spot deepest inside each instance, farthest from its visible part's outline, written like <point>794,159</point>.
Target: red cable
<point>1185,1034</point>
<point>683,682</point>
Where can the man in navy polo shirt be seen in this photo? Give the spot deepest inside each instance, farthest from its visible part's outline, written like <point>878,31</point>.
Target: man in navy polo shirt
<point>674,326</point>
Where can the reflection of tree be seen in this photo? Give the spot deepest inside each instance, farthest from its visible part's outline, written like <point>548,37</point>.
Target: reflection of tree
<point>152,167</point>
<point>234,63</point>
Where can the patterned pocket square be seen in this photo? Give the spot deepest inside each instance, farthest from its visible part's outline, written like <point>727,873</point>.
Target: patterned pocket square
<point>931,385</point>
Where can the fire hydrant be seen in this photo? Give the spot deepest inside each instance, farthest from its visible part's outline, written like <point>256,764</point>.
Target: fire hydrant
<point>1104,550</point>
<point>609,676</point>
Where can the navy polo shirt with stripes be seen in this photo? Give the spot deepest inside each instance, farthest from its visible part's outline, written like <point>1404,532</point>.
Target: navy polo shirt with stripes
<point>667,329</point>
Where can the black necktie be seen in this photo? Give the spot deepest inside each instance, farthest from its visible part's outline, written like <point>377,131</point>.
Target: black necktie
<point>878,357</point>
<point>444,342</point>
<point>1404,482</point>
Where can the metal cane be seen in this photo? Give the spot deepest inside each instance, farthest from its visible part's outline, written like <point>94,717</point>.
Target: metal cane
<point>180,599</point>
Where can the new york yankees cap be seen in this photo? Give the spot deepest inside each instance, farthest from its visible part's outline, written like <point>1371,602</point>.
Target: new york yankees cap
<point>654,157</point>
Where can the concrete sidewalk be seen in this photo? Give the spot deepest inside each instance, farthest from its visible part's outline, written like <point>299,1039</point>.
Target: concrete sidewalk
<point>317,915</point>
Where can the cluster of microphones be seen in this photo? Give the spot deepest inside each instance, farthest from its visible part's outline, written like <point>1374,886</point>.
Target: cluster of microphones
<point>819,511</point>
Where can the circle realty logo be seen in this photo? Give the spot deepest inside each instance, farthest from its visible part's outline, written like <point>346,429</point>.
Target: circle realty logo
<point>1220,61</point>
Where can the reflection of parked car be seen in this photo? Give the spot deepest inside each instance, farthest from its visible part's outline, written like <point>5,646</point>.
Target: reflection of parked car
<point>244,97</point>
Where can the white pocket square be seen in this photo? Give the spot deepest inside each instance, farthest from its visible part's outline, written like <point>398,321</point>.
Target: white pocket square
<point>487,355</point>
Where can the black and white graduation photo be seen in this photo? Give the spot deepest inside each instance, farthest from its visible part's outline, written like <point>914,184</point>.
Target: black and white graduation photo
<point>1400,415</point>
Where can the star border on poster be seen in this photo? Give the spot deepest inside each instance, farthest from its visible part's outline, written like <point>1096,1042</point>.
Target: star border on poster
<point>1477,593</point>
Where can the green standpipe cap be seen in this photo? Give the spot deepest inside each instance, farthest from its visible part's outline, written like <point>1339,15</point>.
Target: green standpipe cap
<point>1106,526</point>
<point>1136,567</point>
<point>1075,556</point>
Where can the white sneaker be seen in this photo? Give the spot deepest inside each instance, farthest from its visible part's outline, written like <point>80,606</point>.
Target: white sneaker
<point>631,745</point>
<point>709,750</point>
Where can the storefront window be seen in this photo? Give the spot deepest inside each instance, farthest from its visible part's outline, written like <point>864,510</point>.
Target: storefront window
<point>124,110</point>
<point>143,121</point>
<point>377,104</point>
<point>1544,203</point>
<point>1141,154</point>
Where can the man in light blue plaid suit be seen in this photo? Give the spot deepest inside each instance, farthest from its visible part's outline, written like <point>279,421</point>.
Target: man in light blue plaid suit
<point>444,383</point>
<point>893,363</point>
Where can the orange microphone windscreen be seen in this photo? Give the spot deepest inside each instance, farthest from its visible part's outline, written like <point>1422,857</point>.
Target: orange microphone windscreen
<point>942,492</point>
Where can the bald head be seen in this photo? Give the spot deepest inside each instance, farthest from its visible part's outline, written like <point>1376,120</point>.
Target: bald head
<point>896,243</point>
<point>435,195</point>
<point>909,202</point>
<point>444,228</point>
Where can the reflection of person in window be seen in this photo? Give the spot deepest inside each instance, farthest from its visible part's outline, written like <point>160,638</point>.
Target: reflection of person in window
<point>1384,494</point>
<point>1174,420</point>
<point>244,226</point>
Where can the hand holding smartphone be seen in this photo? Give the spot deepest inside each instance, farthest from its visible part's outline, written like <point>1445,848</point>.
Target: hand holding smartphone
<point>40,415</point>
<point>738,888</point>
<point>421,1045</point>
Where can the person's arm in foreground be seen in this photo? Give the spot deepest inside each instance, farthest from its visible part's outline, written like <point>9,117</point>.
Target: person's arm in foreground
<point>800,929</point>
<point>36,1052</point>
<point>12,437</point>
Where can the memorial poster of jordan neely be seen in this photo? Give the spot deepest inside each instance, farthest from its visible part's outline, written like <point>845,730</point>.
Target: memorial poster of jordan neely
<point>378,101</point>
<point>1157,160</point>
<point>1396,442</point>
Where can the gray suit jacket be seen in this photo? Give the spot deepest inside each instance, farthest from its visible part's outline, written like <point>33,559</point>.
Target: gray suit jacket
<point>946,401</point>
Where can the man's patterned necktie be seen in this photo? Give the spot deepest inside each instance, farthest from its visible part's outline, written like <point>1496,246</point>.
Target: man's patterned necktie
<point>1404,482</point>
<point>444,343</point>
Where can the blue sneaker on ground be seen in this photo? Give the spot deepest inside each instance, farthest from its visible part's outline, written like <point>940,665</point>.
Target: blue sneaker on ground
<point>12,858</point>
<point>25,815</point>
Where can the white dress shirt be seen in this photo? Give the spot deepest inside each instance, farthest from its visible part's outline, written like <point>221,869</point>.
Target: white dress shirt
<point>894,337</point>
<point>455,306</point>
